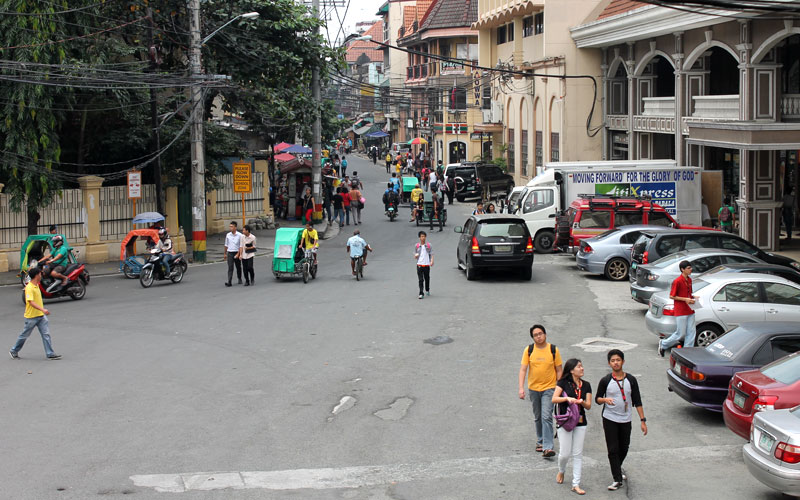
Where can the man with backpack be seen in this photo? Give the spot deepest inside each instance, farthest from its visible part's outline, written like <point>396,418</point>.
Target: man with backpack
<point>424,257</point>
<point>541,362</point>
<point>726,216</point>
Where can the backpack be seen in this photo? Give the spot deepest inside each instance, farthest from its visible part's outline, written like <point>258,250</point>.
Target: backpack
<point>530,347</point>
<point>725,214</point>
<point>427,246</point>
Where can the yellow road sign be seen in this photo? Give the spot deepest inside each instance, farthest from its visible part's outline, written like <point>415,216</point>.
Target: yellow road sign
<point>242,178</point>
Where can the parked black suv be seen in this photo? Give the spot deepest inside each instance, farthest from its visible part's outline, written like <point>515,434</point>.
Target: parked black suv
<point>495,240</point>
<point>651,246</point>
<point>480,179</point>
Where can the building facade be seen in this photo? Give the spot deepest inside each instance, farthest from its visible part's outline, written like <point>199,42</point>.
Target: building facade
<point>705,90</point>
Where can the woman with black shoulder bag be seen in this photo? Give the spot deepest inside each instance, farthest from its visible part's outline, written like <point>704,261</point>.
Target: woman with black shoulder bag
<point>249,251</point>
<point>573,396</point>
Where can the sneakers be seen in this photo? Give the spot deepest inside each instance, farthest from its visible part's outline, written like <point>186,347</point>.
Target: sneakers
<point>548,453</point>
<point>54,356</point>
<point>421,296</point>
<point>614,486</point>
<point>13,354</point>
<point>228,283</point>
<point>624,477</point>
<point>428,293</point>
<point>660,350</point>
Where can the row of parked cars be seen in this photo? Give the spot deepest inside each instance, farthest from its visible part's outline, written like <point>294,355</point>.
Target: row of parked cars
<point>746,360</point>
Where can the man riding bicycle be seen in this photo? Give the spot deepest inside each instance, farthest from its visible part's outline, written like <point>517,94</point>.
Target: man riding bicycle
<point>57,260</point>
<point>356,246</point>
<point>309,241</point>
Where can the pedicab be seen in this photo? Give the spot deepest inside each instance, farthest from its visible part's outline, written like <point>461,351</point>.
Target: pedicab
<point>427,216</point>
<point>131,264</point>
<point>408,185</point>
<point>288,259</point>
<point>34,250</point>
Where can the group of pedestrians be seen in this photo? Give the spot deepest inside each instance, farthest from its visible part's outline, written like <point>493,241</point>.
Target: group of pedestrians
<point>240,248</point>
<point>554,385</point>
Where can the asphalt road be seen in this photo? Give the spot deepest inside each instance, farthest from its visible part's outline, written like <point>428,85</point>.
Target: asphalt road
<point>328,390</point>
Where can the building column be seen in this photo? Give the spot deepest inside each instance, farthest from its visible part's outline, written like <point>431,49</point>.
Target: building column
<point>96,251</point>
<point>604,85</point>
<point>630,65</point>
<point>680,104</point>
<point>745,49</point>
<point>759,200</point>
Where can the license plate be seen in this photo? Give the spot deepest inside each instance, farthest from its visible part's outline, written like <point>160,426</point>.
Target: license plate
<point>633,265</point>
<point>633,293</point>
<point>739,399</point>
<point>654,310</point>
<point>765,442</point>
<point>677,368</point>
<point>502,248</point>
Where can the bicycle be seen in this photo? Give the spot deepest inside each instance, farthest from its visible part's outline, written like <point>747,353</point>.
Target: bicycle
<point>359,268</point>
<point>309,265</point>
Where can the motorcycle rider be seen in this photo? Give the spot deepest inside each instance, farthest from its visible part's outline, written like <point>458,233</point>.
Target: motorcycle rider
<point>164,245</point>
<point>57,260</point>
<point>389,197</point>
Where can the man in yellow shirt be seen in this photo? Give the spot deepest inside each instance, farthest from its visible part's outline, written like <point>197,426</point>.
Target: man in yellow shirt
<point>542,363</point>
<point>35,317</point>
<point>416,194</point>
<point>309,240</point>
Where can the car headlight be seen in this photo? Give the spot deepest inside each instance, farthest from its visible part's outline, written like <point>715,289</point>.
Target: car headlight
<point>652,277</point>
<point>796,265</point>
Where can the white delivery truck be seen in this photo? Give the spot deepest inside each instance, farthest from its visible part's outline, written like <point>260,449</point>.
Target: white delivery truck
<point>677,189</point>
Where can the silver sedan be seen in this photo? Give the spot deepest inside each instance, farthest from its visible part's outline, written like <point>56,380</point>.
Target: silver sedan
<point>773,454</point>
<point>609,253</point>
<point>726,300</point>
<point>648,279</point>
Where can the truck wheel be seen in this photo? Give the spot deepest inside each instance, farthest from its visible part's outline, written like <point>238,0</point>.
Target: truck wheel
<point>544,241</point>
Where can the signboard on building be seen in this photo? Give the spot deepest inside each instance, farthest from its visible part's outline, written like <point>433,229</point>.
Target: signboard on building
<point>134,184</point>
<point>242,178</point>
<point>477,136</point>
<point>450,67</point>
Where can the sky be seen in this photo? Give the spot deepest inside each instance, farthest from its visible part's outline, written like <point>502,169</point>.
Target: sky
<point>356,10</point>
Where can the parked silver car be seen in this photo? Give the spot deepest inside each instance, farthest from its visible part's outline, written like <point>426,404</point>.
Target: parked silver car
<point>609,253</point>
<point>725,300</point>
<point>658,276</point>
<point>773,454</point>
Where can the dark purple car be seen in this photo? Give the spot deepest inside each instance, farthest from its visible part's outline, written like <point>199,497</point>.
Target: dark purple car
<point>701,375</point>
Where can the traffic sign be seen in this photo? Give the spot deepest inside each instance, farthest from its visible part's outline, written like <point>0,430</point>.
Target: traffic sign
<point>242,178</point>
<point>134,184</point>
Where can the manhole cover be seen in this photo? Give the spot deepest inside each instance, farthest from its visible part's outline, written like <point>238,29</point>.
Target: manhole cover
<point>602,344</point>
<point>439,340</point>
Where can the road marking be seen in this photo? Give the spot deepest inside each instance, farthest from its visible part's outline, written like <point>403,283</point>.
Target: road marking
<point>364,476</point>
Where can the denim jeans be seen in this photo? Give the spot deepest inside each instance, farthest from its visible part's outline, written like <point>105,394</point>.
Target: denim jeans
<point>44,330</point>
<point>542,402</point>
<point>684,330</point>
<point>571,446</point>
<point>338,214</point>
<point>347,213</point>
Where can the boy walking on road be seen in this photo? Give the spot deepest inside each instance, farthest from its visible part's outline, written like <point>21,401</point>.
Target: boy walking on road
<point>681,294</point>
<point>618,392</point>
<point>423,253</point>
<point>35,317</point>
<point>542,363</point>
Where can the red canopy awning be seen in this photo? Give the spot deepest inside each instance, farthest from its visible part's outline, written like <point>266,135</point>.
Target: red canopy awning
<point>280,147</point>
<point>284,157</point>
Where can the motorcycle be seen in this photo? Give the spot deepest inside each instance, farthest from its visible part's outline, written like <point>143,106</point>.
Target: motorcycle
<point>391,212</point>
<point>154,270</point>
<point>75,288</point>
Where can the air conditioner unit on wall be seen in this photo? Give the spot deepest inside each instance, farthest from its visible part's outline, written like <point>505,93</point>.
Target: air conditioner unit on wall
<point>494,115</point>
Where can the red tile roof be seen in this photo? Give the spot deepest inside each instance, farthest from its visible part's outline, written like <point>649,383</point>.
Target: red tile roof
<point>371,50</point>
<point>620,7</point>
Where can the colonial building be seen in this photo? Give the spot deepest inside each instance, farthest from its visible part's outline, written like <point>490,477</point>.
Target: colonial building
<point>706,90</point>
<point>364,73</point>
<point>444,107</point>
<point>548,114</point>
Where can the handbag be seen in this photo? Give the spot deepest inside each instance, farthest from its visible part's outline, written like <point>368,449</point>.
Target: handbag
<point>569,419</point>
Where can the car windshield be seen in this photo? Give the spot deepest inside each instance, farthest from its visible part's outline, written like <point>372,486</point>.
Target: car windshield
<point>465,172</point>
<point>606,234</point>
<point>785,370</point>
<point>715,270</point>
<point>731,344</point>
<point>669,259</point>
<point>698,284</point>
<point>505,229</point>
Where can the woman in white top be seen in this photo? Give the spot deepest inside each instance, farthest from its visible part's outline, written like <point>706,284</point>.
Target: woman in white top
<point>248,252</point>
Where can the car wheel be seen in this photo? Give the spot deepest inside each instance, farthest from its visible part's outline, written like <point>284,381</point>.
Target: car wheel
<point>707,334</point>
<point>544,242</point>
<point>472,273</point>
<point>526,273</point>
<point>460,199</point>
<point>617,269</point>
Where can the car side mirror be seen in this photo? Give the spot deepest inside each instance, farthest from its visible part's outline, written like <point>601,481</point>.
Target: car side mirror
<point>458,229</point>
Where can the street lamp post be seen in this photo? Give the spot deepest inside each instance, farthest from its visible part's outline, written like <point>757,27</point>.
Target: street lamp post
<point>198,164</point>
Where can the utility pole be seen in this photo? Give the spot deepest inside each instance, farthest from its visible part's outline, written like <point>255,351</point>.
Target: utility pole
<point>154,62</point>
<point>316,130</point>
<point>198,164</point>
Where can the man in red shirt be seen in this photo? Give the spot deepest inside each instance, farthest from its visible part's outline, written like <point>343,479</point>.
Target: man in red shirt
<point>681,294</point>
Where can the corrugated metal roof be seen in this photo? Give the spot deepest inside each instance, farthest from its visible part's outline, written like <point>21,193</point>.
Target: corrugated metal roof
<point>617,7</point>
<point>451,14</point>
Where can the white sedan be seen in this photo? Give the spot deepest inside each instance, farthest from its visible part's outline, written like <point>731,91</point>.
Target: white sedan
<point>726,300</point>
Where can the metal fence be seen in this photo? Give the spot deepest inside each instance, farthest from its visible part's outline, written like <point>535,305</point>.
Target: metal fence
<point>116,210</point>
<point>230,203</point>
<point>66,212</point>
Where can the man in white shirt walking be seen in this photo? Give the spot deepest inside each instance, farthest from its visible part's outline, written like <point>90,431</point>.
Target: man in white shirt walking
<point>233,251</point>
<point>423,253</point>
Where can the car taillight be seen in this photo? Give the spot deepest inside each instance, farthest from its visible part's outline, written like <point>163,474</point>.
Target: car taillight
<point>644,258</point>
<point>587,249</point>
<point>751,431</point>
<point>652,277</point>
<point>529,246</point>
<point>672,361</point>
<point>787,453</point>
<point>691,374</point>
<point>764,403</point>
<point>669,310</point>
<point>475,248</point>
